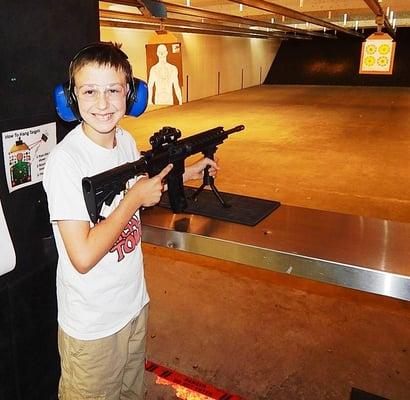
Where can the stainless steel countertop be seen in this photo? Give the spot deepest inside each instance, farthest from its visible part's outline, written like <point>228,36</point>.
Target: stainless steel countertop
<point>367,254</point>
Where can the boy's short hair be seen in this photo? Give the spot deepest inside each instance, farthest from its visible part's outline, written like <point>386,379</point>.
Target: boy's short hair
<point>103,54</point>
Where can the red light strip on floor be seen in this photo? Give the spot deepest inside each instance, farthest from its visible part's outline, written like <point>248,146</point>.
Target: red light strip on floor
<point>179,379</point>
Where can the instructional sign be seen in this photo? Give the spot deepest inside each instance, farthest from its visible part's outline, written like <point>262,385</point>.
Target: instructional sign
<point>8,256</point>
<point>25,154</point>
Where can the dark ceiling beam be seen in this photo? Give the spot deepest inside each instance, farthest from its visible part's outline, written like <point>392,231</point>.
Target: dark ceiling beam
<point>288,12</point>
<point>200,13</point>
<point>375,6</point>
<point>171,28</point>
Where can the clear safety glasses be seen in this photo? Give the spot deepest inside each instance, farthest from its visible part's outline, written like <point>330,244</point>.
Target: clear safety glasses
<point>92,93</point>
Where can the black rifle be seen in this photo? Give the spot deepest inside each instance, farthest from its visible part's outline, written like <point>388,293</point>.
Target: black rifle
<point>166,149</point>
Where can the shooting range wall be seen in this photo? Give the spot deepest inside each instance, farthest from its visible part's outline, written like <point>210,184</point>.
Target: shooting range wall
<point>336,62</point>
<point>37,42</point>
<point>213,64</point>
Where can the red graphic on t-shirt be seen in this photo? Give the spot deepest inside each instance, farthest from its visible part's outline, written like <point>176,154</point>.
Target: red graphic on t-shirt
<point>129,238</point>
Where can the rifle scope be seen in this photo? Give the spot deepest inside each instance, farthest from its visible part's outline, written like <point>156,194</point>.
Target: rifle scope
<point>164,137</point>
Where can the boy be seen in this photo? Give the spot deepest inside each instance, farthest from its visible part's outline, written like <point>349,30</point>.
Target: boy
<point>101,292</point>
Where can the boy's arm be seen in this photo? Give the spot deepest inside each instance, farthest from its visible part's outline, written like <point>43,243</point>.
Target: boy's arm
<point>86,245</point>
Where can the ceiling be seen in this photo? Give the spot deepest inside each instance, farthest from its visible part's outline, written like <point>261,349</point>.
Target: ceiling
<point>284,19</point>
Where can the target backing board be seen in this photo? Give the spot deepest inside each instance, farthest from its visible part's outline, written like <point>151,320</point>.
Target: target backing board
<point>377,54</point>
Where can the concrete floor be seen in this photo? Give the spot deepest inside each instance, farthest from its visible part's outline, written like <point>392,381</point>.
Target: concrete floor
<point>263,335</point>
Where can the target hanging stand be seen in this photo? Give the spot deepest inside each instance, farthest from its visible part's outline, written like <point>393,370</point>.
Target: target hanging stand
<point>378,53</point>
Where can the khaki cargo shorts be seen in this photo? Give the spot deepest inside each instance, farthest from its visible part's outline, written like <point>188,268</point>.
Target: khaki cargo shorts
<point>110,368</point>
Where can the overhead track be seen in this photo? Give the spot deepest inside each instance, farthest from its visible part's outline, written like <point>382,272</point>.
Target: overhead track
<point>135,18</point>
<point>288,12</point>
<point>374,5</point>
<point>171,28</point>
<point>196,12</point>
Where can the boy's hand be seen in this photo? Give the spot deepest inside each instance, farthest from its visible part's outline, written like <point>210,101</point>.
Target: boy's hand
<point>196,170</point>
<point>149,190</point>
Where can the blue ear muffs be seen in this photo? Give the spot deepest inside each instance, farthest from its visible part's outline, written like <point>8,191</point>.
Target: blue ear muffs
<point>137,98</point>
<point>67,107</point>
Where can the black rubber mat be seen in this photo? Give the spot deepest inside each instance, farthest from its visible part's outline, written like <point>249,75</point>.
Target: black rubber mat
<point>243,210</point>
<point>357,394</point>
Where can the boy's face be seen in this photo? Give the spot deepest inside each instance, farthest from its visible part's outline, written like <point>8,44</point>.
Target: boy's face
<point>101,94</point>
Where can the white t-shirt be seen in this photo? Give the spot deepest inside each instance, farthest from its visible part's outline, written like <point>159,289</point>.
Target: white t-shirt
<point>102,301</point>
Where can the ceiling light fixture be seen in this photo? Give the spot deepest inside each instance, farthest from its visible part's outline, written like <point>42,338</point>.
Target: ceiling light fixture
<point>344,19</point>
<point>240,7</point>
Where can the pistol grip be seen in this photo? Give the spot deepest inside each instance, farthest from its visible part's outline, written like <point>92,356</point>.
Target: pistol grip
<point>176,192</point>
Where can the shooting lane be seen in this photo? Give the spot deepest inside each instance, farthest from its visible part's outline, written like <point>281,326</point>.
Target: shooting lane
<point>337,158</point>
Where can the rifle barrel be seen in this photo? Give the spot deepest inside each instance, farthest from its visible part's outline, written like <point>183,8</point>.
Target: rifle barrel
<point>235,129</point>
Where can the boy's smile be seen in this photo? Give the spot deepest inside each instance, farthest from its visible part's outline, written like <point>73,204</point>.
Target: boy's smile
<point>101,94</point>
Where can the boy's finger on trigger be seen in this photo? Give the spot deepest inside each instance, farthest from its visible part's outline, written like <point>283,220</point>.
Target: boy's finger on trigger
<point>165,171</point>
